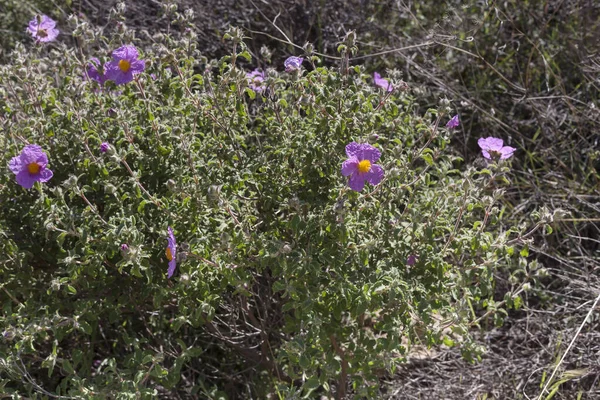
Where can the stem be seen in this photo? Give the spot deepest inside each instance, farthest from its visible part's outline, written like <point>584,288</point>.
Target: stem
<point>341,394</point>
<point>142,188</point>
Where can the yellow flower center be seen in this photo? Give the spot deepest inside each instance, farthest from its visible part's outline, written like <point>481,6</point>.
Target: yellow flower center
<point>124,65</point>
<point>168,254</point>
<point>33,168</point>
<point>364,166</point>
<point>42,33</point>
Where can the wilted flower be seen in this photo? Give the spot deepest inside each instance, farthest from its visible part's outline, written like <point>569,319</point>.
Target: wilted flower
<point>256,80</point>
<point>30,166</point>
<point>382,83</point>
<point>453,123</point>
<point>104,147</point>
<point>293,64</point>
<point>411,260</point>
<point>361,167</point>
<point>124,247</point>
<point>493,148</point>
<point>94,71</point>
<point>42,28</point>
<point>171,252</point>
<point>125,65</point>
<point>8,335</point>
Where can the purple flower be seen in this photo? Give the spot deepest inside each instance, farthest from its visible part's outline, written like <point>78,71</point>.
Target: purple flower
<point>493,148</point>
<point>124,66</point>
<point>256,80</point>
<point>30,166</point>
<point>411,260</point>
<point>361,167</point>
<point>104,147</point>
<point>153,76</point>
<point>171,252</point>
<point>42,28</point>
<point>124,247</point>
<point>382,83</point>
<point>293,64</point>
<point>453,123</point>
<point>94,71</point>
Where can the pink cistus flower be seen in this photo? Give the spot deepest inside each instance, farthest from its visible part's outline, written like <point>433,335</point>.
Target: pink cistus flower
<point>43,29</point>
<point>256,80</point>
<point>360,165</point>
<point>292,64</point>
<point>30,166</point>
<point>124,66</point>
<point>453,123</point>
<point>382,83</point>
<point>104,147</point>
<point>493,148</point>
<point>171,252</point>
<point>94,71</point>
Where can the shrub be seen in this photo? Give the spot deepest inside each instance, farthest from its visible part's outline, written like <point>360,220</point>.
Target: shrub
<point>285,276</point>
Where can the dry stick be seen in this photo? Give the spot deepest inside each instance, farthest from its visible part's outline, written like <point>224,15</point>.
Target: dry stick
<point>505,79</point>
<point>569,348</point>
<point>92,207</point>
<point>13,298</point>
<point>137,181</point>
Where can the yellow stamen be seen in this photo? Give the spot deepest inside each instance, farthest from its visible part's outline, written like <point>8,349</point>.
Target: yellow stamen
<point>124,65</point>
<point>364,166</point>
<point>33,168</point>
<point>169,254</point>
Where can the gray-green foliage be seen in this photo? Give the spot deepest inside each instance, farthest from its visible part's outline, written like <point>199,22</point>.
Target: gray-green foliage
<point>282,269</point>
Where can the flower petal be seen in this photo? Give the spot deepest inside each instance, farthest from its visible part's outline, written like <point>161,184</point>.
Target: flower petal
<point>362,151</point>
<point>25,179</point>
<point>490,143</point>
<point>126,52</point>
<point>482,143</point>
<point>51,34</point>
<point>171,269</point>
<point>375,175</point>
<point>486,154</point>
<point>33,153</point>
<point>45,175</point>
<point>47,22</point>
<point>138,66</point>
<point>15,165</point>
<point>171,235</point>
<point>350,166</point>
<point>114,73</point>
<point>357,182</point>
<point>507,152</point>
<point>33,27</point>
<point>368,152</point>
<point>352,149</point>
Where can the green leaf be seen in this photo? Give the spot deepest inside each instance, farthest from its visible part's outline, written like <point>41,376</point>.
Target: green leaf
<point>245,54</point>
<point>251,93</point>
<point>310,386</point>
<point>66,364</point>
<point>428,159</point>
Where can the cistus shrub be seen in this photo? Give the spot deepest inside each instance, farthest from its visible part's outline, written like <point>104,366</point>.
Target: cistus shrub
<point>200,237</point>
